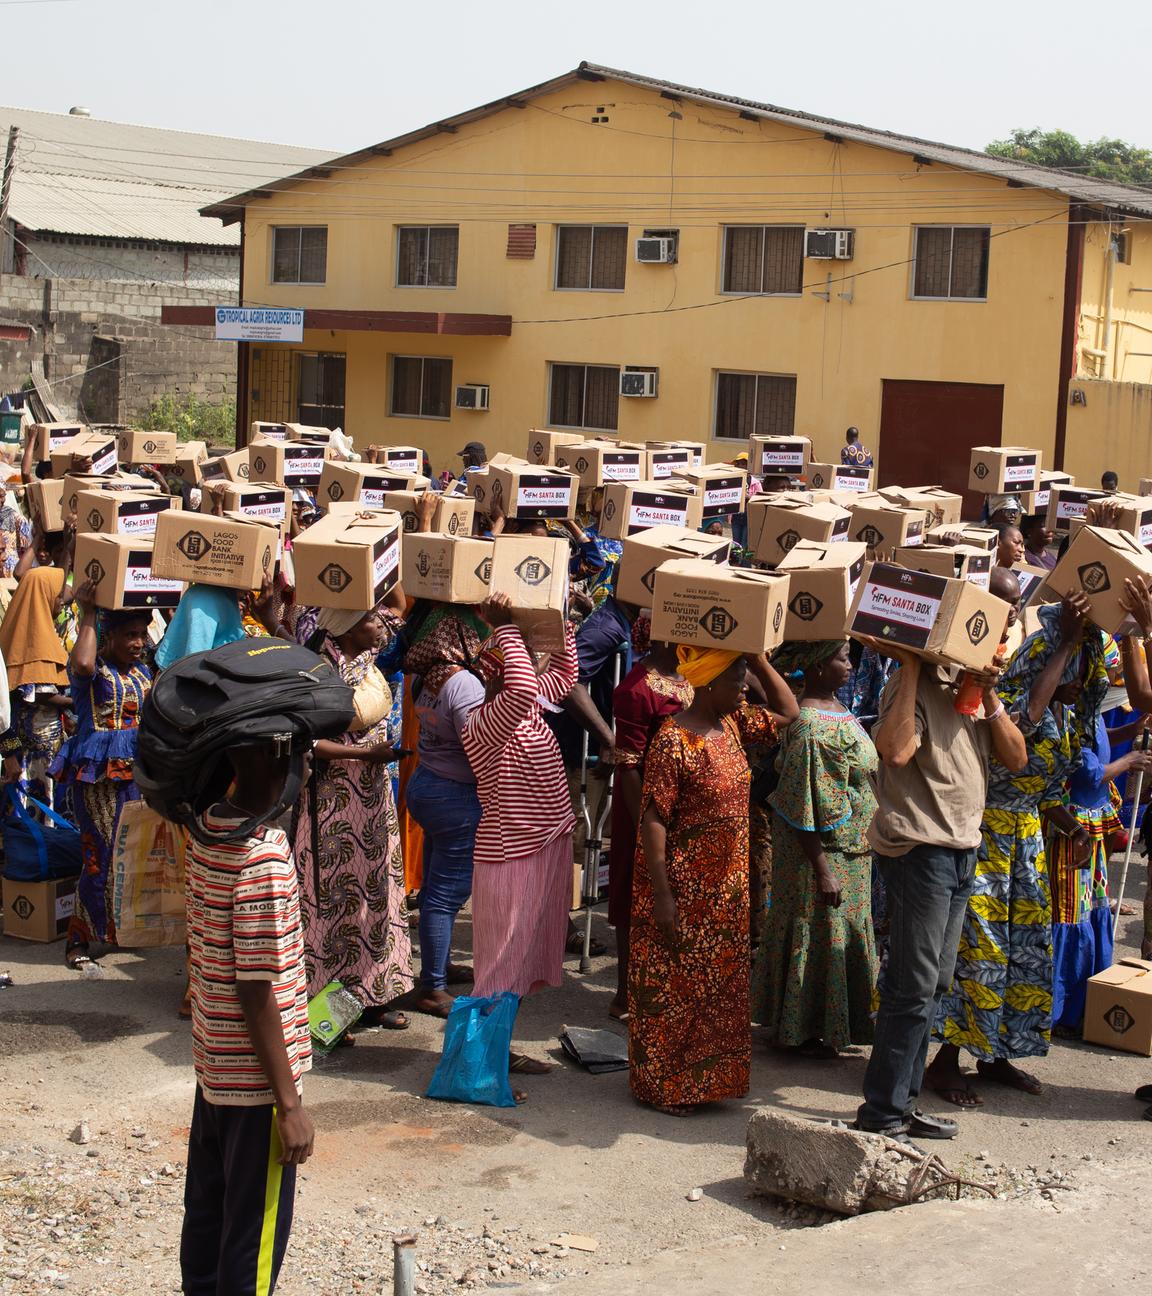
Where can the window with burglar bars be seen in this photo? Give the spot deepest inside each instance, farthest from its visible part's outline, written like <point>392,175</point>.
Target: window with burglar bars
<point>299,254</point>
<point>592,257</point>
<point>584,396</point>
<point>764,259</point>
<point>951,262</point>
<point>421,387</point>
<point>426,256</point>
<point>749,404</point>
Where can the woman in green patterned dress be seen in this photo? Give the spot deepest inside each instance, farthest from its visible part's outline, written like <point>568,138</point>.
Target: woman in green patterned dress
<point>816,966</point>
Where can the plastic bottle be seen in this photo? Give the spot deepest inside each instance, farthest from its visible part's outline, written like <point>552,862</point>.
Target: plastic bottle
<point>971,691</point>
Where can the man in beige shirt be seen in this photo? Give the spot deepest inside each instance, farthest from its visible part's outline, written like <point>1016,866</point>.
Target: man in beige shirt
<point>930,790</point>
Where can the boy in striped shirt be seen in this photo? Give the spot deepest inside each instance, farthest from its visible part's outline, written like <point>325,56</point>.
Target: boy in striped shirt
<point>250,1040</point>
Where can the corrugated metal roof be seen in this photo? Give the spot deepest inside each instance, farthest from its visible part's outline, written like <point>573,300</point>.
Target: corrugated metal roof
<point>84,176</point>
<point>1095,193</point>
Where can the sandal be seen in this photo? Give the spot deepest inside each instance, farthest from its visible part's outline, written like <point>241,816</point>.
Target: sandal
<point>457,974</point>
<point>76,957</point>
<point>1011,1076</point>
<point>433,1007</point>
<point>575,945</point>
<point>814,1049</point>
<point>522,1064</point>
<point>385,1019</point>
<point>519,1097</point>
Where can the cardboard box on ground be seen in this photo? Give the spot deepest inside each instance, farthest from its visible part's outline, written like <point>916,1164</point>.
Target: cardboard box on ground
<point>629,508</point>
<point>698,602</point>
<point>121,567</point>
<point>38,911</point>
<point>1118,1009</point>
<point>348,560</point>
<point>233,551</point>
<point>1096,564</point>
<point>135,445</point>
<point>823,580</point>
<point>644,552</point>
<point>944,619</point>
<point>448,568</point>
<point>1004,470</point>
<point>533,572</point>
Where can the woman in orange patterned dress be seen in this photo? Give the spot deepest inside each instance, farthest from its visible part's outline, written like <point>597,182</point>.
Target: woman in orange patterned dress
<point>689,1033</point>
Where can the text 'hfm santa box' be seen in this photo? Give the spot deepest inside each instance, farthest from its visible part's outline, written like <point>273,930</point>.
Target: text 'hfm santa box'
<point>121,571</point>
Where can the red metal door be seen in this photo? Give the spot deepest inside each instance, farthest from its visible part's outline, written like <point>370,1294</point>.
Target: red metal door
<point>928,429</point>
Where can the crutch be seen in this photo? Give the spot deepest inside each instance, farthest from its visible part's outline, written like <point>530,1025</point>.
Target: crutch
<point>1131,839</point>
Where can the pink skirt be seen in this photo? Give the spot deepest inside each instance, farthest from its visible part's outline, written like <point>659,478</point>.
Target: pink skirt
<point>520,920</point>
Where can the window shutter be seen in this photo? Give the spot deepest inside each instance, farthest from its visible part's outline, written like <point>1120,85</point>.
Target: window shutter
<point>521,242</point>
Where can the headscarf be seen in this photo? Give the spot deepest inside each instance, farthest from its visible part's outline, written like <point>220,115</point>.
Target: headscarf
<point>206,617</point>
<point>29,641</point>
<point>701,666</point>
<point>1009,502</point>
<point>796,657</point>
<point>338,621</point>
<point>447,642</point>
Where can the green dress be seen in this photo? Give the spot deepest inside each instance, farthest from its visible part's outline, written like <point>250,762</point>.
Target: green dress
<point>815,969</point>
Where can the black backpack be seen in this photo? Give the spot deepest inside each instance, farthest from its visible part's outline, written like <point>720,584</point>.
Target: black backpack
<point>247,692</point>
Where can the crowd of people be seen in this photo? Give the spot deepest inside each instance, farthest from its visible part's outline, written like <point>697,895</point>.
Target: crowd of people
<point>815,843</point>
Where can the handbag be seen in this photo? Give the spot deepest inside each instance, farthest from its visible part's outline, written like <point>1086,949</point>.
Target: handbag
<point>477,1041</point>
<point>34,852</point>
<point>149,907</point>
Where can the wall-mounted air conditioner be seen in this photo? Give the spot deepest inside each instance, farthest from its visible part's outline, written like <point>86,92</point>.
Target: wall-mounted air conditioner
<point>472,396</point>
<point>829,245</point>
<point>638,382</point>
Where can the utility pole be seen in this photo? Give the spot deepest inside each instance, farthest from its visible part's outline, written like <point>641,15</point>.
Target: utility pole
<point>6,193</point>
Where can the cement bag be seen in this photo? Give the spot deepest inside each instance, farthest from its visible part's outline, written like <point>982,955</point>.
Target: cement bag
<point>148,904</point>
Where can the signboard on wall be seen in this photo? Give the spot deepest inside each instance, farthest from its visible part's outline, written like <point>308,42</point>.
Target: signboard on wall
<point>259,324</point>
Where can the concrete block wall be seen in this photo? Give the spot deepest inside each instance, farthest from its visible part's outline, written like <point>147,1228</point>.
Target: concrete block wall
<point>68,317</point>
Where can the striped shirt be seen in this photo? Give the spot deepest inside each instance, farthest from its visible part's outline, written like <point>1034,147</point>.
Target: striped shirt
<point>244,925</point>
<point>519,772</point>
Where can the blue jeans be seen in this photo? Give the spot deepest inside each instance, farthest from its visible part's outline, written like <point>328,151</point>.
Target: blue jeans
<point>449,814</point>
<point>927,893</point>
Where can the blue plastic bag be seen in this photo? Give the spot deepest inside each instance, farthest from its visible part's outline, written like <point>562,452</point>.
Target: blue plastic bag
<point>32,852</point>
<point>477,1041</point>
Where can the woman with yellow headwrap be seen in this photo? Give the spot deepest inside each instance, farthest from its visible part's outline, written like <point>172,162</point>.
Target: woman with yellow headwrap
<point>689,1038</point>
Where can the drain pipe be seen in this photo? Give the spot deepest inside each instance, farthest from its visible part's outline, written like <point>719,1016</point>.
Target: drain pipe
<point>403,1264</point>
<point>1107,363</point>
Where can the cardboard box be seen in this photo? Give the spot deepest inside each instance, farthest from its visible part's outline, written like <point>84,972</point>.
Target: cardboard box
<point>362,483</point>
<point>44,498</point>
<point>1004,470</point>
<point>74,483</point>
<point>136,446</point>
<point>525,491</point>
<point>38,911</point>
<point>101,450</point>
<point>667,458</point>
<point>944,619</point>
<point>697,602</point>
<point>599,462</point>
<point>941,507</point>
<point>1096,564</point>
<point>120,566</point>
<point>261,431</point>
<point>232,467</point>
<point>1066,503</point>
<point>698,448</point>
<point>287,463</point>
<point>629,508</point>
<point>790,519</point>
<point>1033,585</point>
<point>722,488</point>
<point>756,508</point>
<point>966,533</point>
<point>51,436</point>
<point>779,456</point>
<point>1135,516</point>
<point>310,432</point>
<point>131,513</point>
<point>447,568</point>
<point>400,459</point>
<point>234,551</point>
<point>533,572</point>
<point>543,444</point>
<point>450,516</point>
<point>644,552</point>
<point>964,561</point>
<point>886,527</point>
<point>190,456</point>
<point>1118,1009</point>
<point>1039,499</point>
<point>822,476</point>
<point>823,585</point>
<point>348,560</point>
<point>252,499</point>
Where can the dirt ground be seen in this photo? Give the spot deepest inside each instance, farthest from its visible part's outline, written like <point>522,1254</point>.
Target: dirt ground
<point>490,1192</point>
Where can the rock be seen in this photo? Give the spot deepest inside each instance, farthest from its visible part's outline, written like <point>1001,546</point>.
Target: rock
<point>694,1194</point>
<point>840,1170</point>
<point>81,1134</point>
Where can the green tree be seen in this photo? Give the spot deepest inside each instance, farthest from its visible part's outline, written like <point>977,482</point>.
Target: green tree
<point>1105,159</point>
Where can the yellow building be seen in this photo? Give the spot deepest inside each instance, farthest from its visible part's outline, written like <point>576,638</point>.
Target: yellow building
<point>773,271</point>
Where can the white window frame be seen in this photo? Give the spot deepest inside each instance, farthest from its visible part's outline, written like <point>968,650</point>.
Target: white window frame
<point>403,355</point>
<point>734,292</point>
<point>426,287</point>
<point>745,373</point>
<point>296,283</point>
<point>913,295</point>
<point>593,226</point>
<point>585,365</point>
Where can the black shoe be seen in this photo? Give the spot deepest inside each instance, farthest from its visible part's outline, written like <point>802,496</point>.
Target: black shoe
<point>897,1133</point>
<point>921,1125</point>
<point>1148,1113</point>
<point>1144,1093</point>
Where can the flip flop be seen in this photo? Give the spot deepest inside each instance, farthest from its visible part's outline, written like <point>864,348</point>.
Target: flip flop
<point>433,1010</point>
<point>1021,1080</point>
<point>522,1064</point>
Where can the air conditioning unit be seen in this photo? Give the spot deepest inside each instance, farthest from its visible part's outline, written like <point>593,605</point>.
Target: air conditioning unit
<point>656,251</point>
<point>829,245</point>
<point>472,396</point>
<point>638,382</point>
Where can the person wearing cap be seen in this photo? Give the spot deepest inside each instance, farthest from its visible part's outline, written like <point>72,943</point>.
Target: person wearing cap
<point>852,453</point>
<point>475,458</point>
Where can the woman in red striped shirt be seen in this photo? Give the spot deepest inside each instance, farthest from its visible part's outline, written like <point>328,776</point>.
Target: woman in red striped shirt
<point>522,878</point>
